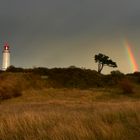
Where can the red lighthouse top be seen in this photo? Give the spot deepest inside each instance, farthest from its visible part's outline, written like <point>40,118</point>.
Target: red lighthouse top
<point>6,46</point>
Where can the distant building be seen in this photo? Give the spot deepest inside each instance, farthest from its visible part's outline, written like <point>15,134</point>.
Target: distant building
<point>6,57</point>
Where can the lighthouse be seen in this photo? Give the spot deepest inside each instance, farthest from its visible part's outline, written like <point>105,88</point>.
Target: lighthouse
<point>6,57</point>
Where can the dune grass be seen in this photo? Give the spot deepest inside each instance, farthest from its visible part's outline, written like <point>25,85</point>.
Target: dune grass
<point>100,121</point>
<point>43,113</point>
<point>64,114</point>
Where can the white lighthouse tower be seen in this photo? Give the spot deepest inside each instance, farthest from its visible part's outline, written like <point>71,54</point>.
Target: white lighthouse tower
<point>6,57</point>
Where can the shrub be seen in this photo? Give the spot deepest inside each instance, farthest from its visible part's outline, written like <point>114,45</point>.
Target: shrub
<point>9,86</point>
<point>117,73</point>
<point>9,91</point>
<point>126,86</point>
<point>14,69</point>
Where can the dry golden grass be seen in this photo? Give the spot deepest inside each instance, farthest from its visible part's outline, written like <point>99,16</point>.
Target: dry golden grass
<point>110,121</point>
<point>64,114</point>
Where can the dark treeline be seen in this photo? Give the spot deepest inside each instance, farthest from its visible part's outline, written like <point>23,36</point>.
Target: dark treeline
<point>73,77</point>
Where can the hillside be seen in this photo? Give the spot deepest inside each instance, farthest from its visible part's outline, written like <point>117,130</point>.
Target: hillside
<point>36,107</point>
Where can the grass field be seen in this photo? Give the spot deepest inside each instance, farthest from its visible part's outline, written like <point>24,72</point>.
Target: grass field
<point>71,114</point>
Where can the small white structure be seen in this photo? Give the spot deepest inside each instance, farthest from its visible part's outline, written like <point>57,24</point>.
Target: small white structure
<point>6,57</point>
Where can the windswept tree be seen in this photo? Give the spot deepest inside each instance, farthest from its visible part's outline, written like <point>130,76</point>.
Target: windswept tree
<point>104,60</point>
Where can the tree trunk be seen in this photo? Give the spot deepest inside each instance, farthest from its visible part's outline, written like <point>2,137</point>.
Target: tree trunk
<point>100,67</point>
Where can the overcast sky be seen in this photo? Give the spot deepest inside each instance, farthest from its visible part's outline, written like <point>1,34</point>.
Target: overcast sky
<point>61,33</point>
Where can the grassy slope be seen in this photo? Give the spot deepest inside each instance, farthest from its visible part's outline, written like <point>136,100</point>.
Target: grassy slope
<point>70,114</point>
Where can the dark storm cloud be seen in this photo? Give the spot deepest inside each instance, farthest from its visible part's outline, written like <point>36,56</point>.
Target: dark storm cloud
<point>50,18</point>
<point>25,23</point>
<point>64,17</point>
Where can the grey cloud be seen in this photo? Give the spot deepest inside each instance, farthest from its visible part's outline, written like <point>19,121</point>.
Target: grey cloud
<point>65,17</point>
<point>25,23</point>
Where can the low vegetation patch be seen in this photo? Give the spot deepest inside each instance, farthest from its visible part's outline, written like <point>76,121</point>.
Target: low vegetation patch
<point>13,84</point>
<point>9,91</point>
<point>127,86</point>
<point>9,87</point>
<point>97,121</point>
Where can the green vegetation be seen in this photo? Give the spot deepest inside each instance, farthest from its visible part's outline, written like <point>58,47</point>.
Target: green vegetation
<point>69,104</point>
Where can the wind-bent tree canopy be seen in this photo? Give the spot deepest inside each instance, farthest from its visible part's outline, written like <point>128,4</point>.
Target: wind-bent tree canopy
<point>104,60</point>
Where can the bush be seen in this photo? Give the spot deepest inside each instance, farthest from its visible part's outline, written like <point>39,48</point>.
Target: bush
<point>9,86</point>
<point>14,69</point>
<point>9,91</point>
<point>126,86</point>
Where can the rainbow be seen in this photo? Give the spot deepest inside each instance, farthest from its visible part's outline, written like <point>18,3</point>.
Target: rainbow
<point>132,60</point>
